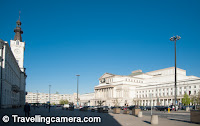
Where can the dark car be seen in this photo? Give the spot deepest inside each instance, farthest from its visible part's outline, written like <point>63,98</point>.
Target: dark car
<point>105,109</point>
<point>85,108</point>
<point>143,108</point>
<point>148,108</point>
<point>131,107</point>
<point>162,108</point>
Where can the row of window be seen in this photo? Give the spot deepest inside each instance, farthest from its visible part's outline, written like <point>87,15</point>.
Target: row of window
<point>133,80</point>
<point>167,94</point>
<point>167,89</point>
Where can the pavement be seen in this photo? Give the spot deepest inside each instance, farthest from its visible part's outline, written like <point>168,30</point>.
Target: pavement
<point>107,119</point>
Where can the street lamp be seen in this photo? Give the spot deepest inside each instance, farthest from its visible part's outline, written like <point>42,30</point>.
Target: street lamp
<point>49,97</point>
<point>175,38</point>
<point>77,89</point>
<point>37,97</point>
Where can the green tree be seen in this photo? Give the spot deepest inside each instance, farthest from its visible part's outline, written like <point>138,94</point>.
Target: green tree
<point>186,99</point>
<point>62,102</point>
<point>57,92</point>
<point>193,100</point>
<point>198,99</point>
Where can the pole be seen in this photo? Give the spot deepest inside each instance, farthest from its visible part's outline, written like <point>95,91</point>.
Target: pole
<point>49,97</point>
<point>175,86</point>
<point>37,97</point>
<point>77,89</point>
<point>175,77</point>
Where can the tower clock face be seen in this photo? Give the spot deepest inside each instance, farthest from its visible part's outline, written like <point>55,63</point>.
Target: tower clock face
<point>17,51</point>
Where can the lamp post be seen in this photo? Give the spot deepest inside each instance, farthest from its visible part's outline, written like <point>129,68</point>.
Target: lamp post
<point>49,97</point>
<point>37,97</point>
<point>175,38</point>
<point>77,89</point>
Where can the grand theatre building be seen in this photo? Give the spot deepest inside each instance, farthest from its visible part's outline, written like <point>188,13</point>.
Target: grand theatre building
<point>140,88</point>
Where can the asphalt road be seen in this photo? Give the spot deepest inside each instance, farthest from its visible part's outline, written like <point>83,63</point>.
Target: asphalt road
<point>107,119</point>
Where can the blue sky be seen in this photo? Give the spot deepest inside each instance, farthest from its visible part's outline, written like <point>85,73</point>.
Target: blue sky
<point>90,37</point>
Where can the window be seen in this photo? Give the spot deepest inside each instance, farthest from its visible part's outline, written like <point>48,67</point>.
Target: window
<point>17,42</point>
<point>184,87</point>
<point>195,92</point>
<point>194,86</point>
<point>190,87</point>
<point>180,88</point>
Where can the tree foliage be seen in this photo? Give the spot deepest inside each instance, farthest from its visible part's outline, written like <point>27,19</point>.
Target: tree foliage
<point>62,102</point>
<point>186,99</point>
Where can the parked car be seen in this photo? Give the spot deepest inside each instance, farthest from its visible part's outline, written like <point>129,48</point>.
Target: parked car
<point>105,109</point>
<point>143,108</point>
<point>84,108</point>
<point>148,108</point>
<point>65,106</point>
<point>162,108</point>
<point>131,107</point>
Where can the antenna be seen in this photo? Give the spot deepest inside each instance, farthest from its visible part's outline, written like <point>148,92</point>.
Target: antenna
<point>19,15</point>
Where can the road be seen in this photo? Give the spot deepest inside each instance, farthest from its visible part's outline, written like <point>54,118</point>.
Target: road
<point>107,119</point>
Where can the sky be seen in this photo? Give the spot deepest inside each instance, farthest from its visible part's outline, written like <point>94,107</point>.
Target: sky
<point>91,37</point>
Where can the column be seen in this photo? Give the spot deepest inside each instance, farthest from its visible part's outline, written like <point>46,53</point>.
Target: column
<point>167,102</point>
<point>156,102</point>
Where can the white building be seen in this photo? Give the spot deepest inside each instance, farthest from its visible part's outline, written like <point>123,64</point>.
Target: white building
<point>84,99</point>
<point>137,87</point>
<point>44,98</point>
<point>12,71</point>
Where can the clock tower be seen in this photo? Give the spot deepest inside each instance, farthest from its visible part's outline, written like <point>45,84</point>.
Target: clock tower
<point>17,46</point>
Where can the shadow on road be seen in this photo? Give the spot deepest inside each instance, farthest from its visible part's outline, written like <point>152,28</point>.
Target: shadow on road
<point>146,121</point>
<point>106,119</point>
<point>183,121</point>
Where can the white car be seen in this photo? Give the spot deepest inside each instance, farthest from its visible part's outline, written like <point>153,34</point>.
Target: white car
<point>65,106</point>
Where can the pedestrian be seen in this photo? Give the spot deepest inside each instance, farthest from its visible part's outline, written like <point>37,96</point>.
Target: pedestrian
<point>27,109</point>
<point>49,107</point>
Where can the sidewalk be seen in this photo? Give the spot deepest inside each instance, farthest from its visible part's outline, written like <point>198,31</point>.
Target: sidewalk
<point>130,120</point>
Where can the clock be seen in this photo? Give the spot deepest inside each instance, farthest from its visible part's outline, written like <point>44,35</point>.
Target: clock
<point>17,51</point>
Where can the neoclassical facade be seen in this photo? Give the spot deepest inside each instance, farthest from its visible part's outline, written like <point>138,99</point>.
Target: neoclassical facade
<point>140,88</point>
<point>12,71</point>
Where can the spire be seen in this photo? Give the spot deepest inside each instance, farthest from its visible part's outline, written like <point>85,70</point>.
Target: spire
<point>18,30</point>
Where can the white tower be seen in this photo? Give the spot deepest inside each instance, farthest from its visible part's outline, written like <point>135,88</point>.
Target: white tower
<point>17,46</point>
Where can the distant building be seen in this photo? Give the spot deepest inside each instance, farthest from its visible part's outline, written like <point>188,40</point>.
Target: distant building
<point>137,88</point>
<point>84,99</point>
<point>12,71</point>
<point>44,97</point>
